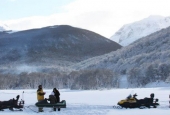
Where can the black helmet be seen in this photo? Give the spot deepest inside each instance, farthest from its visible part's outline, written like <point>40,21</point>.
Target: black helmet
<point>40,86</point>
<point>152,95</point>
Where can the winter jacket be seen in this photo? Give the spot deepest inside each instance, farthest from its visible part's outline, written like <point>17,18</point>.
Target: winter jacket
<point>57,95</point>
<point>52,99</point>
<point>40,95</point>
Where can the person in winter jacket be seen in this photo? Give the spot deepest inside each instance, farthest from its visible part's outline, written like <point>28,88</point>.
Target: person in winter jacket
<point>56,93</point>
<point>40,96</point>
<point>52,100</point>
<point>54,97</point>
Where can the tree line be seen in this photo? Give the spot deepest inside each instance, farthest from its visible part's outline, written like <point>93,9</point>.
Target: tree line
<point>84,79</point>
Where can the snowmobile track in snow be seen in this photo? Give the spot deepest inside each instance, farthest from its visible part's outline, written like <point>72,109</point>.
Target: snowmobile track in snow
<point>73,109</point>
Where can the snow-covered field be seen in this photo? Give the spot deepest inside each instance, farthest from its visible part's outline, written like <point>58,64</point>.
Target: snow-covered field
<point>91,102</point>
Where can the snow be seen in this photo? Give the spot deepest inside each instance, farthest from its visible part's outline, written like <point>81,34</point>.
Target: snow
<point>26,68</point>
<point>3,27</point>
<point>91,102</point>
<point>54,26</point>
<point>12,31</point>
<point>134,31</point>
<point>123,83</point>
<point>157,84</point>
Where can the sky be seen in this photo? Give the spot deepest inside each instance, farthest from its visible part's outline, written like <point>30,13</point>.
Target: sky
<point>104,17</point>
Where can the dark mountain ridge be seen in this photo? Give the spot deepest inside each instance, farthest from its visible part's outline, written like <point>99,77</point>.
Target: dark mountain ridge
<point>54,45</point>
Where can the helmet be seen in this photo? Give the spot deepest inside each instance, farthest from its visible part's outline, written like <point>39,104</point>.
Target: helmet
<point>152,95</point>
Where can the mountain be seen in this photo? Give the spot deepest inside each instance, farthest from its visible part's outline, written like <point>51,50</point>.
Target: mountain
<point>131,32</point>
<point>142,62</point>
<point>3,27</point>
<point>54,46</point>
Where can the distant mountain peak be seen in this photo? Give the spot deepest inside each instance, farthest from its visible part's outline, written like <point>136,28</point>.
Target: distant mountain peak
<point>134,31</point>
<point>4,27</point>
<point>153,17</point>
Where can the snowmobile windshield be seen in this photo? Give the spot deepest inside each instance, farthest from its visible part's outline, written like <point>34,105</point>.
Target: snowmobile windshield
<point>129,96</point>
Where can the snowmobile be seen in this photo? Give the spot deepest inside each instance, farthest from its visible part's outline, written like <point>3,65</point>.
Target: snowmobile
<point>133,102</point>
<point>12,104</point>
<point>45,103</point>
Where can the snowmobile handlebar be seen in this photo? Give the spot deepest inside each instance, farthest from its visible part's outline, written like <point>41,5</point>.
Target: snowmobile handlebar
<point>135,95</point>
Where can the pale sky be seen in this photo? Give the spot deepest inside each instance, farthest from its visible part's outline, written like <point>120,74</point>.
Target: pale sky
<point>104,17</point>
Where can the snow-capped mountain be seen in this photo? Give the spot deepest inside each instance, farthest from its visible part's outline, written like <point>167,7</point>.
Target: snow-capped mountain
<point>131,32</point>
<point>3,27</point>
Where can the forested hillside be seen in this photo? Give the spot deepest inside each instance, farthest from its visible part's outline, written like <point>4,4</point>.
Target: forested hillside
<point>45,56</point>
<point>50,48</point>
<point>143,62</point>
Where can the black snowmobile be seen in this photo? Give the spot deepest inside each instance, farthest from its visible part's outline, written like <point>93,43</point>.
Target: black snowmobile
<point>45,103</point>
<point>133,102</point>
<point>12,104</point>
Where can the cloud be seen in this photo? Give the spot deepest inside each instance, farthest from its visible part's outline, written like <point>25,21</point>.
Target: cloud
<point>101,16</point>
